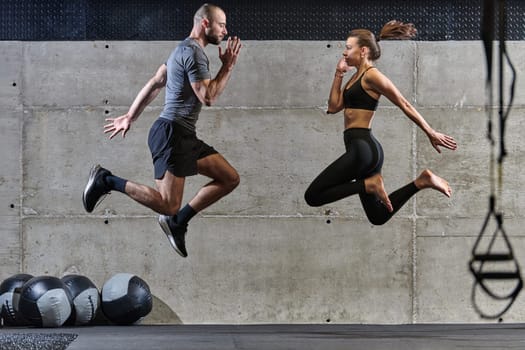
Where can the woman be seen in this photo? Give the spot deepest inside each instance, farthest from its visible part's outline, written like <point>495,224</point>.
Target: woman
<point>358,171</point>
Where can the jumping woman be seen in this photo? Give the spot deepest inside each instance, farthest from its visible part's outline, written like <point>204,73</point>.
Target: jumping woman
<point>358,170</point>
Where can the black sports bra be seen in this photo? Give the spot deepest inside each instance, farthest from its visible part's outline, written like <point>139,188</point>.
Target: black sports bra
<point>355,96</point>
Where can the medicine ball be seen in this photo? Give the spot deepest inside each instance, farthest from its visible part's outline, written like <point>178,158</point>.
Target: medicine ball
<point>126,299</point>
<point>45,302</point>
<point>85,297</point>
<point>9,297</point>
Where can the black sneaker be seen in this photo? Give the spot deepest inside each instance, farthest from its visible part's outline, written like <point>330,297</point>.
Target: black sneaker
<point>175,233</point>
<point>96,189</point>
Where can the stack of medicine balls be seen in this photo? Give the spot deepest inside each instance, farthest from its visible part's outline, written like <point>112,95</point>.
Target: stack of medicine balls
<point>73,300</point>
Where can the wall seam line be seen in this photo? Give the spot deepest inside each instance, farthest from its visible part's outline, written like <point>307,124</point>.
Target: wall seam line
<point>414,202</point>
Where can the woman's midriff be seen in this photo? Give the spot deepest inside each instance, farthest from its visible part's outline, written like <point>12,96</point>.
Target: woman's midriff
<point>358,118</point>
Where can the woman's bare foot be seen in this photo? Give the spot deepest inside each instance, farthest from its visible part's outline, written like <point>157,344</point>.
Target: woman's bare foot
<point>374,185</point>
<point>427,179</point>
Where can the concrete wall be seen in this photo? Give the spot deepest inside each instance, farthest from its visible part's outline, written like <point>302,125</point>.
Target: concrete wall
<point>260,255</point>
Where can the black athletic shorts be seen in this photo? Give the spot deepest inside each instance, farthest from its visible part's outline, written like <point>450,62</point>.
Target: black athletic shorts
<point>176,149</point>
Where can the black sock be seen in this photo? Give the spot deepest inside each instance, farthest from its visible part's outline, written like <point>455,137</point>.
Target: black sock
<point>116,183</point>
<point>185,214</point>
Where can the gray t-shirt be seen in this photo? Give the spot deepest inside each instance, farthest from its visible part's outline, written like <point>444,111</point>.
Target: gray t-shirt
<point>187,64</point>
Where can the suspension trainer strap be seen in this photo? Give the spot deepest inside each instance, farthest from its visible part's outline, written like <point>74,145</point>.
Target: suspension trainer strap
<point>479,260</point>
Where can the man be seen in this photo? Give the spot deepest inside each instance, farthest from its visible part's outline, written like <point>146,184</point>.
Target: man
<point>176,151</point>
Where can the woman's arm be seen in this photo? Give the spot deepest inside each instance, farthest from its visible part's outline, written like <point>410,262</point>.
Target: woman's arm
<point>383,86</point>
<point>335,99</point>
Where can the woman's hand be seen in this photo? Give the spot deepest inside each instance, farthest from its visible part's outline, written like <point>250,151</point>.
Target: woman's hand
<point>342,67</point>
<point>441,140</point>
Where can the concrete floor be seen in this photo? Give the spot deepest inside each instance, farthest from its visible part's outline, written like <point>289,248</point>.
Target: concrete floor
<point>277,337</point>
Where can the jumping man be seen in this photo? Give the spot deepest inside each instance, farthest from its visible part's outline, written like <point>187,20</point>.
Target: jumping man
<point>175,148</point>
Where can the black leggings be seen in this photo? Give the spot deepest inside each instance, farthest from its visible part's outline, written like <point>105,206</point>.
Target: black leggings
<point>346,176</point>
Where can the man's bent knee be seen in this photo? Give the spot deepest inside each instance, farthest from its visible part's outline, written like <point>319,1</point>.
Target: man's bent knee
<point>232,182</point>
<point>236,180</point>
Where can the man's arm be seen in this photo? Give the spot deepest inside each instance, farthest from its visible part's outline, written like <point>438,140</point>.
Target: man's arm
<point>208,90</point>
<point>149,92</point>
<point>145,96</point>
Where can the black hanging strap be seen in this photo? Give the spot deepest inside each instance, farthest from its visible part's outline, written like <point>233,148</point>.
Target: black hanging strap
<point>488,258</point>
<point>479,261</point>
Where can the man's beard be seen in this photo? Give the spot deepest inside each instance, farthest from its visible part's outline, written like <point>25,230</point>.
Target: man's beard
<point>212,39</point>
